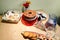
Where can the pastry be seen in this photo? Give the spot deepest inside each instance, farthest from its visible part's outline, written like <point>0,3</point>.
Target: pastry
<point>11,16</point>
<point>26,34</point>
<point>29,34</point>
<point>30,13</point>
<point>29,17</point>
<point>35,36</point>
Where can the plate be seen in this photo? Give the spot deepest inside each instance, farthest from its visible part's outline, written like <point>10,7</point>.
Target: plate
<point>11,16</point>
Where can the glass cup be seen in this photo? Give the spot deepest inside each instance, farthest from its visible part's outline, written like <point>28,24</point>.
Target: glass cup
<point>50,26</point>
<point>51,23</point>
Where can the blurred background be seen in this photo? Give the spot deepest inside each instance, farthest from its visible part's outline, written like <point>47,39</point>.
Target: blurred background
<point>50,6</point>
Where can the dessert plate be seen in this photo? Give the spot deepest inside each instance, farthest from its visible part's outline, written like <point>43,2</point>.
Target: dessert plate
<point>11,16</point>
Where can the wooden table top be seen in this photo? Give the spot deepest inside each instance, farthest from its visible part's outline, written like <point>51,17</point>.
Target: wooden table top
<point>10,31</point>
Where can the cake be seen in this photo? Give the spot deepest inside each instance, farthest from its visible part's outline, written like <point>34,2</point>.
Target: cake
<point>29,17</point>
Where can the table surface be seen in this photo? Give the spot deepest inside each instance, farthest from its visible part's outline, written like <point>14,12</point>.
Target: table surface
<point>10,31</point>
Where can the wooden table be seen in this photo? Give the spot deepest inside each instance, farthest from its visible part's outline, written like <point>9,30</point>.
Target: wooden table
<point>13,31</point>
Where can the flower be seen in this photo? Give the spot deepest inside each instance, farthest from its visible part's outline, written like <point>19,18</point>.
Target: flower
<point>26,4</point>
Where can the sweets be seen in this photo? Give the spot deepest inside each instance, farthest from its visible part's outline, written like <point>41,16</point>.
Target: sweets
<point>11,16</point>
<point>35,36</point>
<point>29,15</point>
